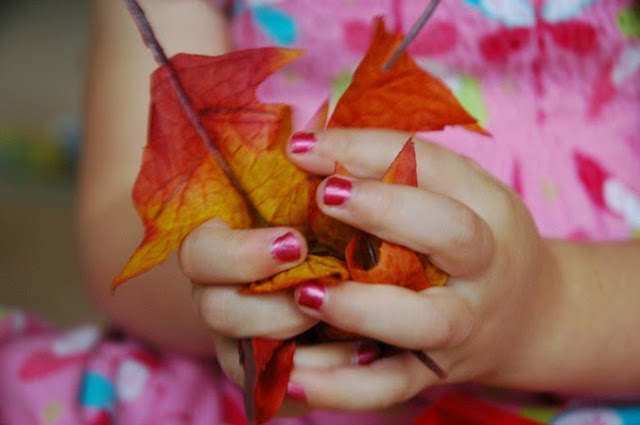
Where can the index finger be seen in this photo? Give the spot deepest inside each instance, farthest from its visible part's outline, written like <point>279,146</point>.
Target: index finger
<point>367,153</point>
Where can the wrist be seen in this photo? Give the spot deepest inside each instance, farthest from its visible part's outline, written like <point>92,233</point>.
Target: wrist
<point>528,365</point>
<point>583,337</point>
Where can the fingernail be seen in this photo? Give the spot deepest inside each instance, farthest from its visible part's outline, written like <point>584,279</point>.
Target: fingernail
<point>367,352</point>
<point>311,295</point>
<point>286,248</point>
<point>302,142</point>
<point>336,191</point>
<point>296,392</point>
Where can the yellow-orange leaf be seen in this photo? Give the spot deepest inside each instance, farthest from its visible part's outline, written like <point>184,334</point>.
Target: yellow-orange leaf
<point>315,268</point>
<point>180,184</point>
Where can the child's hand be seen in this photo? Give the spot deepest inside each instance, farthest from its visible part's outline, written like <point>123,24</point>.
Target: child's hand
<point>219,260</point>
<point>498,298</point>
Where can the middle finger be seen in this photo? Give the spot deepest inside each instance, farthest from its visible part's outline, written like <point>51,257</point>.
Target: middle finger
<point>456,238</point>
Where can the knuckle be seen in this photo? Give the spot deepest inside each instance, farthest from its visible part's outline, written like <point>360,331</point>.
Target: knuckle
<point>213,307</point>
<point>450,330</point>
<point>336,147</point>
<point>406,388</point>
<point>342,149</point>
<point>443,335</point>
<point>467,228</point>
<point>441,331</point>
<point>505,206</point>
<point>374,209</point>
<point>238,255</point>
<point>186,260</point>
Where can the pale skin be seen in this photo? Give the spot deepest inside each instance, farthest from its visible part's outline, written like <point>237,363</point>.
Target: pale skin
<point>519,311</point>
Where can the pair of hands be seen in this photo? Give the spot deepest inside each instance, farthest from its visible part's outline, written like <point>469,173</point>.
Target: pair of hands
<point>481,326</point>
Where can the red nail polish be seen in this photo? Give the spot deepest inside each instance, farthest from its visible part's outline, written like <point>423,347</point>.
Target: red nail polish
<point>286,248</point>
<point>336,191</point>
<point>296,392</point>
<point>311,295</point>
<point>302,142</point>
<point>368,351</point>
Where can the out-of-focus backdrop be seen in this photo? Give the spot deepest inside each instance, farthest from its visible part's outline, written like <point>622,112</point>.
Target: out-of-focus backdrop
<point>43,50</point>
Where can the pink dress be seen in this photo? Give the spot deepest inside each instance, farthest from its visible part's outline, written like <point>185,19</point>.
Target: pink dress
<point>556,82</point>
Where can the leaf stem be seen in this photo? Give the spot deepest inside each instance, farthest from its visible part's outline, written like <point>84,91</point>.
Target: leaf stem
<point>430,363</point>
<point>412,34</point>
<point>151,41</point>
<point>250,378</point>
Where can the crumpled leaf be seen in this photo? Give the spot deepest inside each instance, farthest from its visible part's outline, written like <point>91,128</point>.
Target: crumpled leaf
<point>373,260</point>
<point>325,270</point>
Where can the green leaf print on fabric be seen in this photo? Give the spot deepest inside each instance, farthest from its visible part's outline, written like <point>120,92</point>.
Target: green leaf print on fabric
<point>629,21</point>
<point>470,96</point>
<point>541,414</point>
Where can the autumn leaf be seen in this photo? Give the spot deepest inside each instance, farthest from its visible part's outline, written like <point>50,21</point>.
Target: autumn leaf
<point>181,183</point>
<point>325,270</point>
<point>266,375</point>
<point>405,97</point>
<point>373,260</point>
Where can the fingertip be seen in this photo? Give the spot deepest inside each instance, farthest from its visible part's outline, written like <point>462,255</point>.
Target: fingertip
<point>296,392</point>
<point>310,297</point>
<point>335,191</point>
<point>305,150</point>
<point>302,142</point>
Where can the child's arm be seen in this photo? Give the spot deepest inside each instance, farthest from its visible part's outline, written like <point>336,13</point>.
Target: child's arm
<point>157,305</point>
<point>519,311</point>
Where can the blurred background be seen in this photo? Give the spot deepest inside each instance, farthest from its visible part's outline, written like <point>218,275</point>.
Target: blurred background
<point>43,50</point>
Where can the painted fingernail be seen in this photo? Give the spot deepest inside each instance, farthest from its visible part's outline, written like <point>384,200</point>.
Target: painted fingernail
<point>336,191</point>
<point>367,352</point>
<point>302,142</point>
<point>286,248</point>
<point>311,295</point>
<point>296,392</point>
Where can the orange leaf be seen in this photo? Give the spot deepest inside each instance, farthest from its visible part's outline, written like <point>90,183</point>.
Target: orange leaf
<point>403,98</point>
<point>181,184</point>
<point>372,260</point>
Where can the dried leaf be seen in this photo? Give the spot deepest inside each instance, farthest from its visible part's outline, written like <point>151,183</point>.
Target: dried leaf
<point>181,184</point>
<point>404,98</point>
<point>324,270</point>
<point>373,260</point>
<point>267,364</point>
